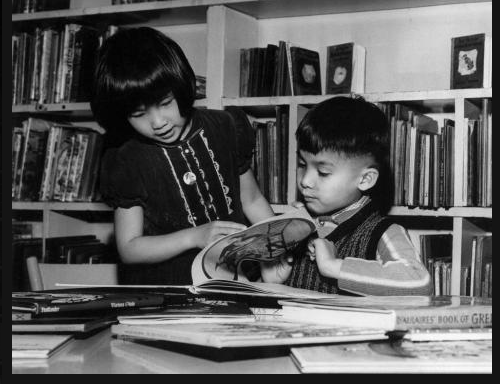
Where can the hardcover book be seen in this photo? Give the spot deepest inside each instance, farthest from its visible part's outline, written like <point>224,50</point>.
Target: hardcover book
<point>260,333</point>
<point>265,241</point>
<point>69,324</point>
<point>471,61</point>
<point>397,357</point>
<point>43,302</point>
<point>393,312</point>
<point>305,70</point>
<point>345,69</point>
<point>198,310</point>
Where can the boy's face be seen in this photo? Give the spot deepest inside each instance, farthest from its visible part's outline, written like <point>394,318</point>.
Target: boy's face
<point>329,181</point>
<point>161,122</point>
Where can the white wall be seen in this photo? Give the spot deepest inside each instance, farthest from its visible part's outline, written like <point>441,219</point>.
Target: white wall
<point>407,49</point>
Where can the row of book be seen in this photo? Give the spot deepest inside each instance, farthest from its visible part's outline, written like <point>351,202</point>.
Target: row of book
<point>55,64</point>
<point>270,156</point>
<point>288,69</point>
<point>55,161</point>
<point>476,272</point>
<point>421,158</point>
<point>30,6</point>
<point>477,156</point>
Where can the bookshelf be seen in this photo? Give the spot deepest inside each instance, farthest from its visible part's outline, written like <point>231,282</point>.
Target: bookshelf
<point>408,61</point>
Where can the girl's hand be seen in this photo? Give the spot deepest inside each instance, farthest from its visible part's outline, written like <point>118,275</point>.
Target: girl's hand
<point>278,271</point>
<point>325,254</point>
<point>209,232</point>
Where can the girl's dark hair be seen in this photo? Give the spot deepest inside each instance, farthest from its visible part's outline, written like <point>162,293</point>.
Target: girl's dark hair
<point>139,66</point>
<point>352,127</point>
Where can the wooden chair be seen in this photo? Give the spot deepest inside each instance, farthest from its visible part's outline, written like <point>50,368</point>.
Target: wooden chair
<point>45,276</point>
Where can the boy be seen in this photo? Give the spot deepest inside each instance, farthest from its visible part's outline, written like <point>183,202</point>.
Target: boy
<point>341,174</point>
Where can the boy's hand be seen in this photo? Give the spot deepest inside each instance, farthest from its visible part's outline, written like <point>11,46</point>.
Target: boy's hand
<point>325,254</point>
<point>277,272</point>
<point>209,232</point>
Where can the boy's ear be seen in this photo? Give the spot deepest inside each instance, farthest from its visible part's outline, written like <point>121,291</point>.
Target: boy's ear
<point>369,177</point>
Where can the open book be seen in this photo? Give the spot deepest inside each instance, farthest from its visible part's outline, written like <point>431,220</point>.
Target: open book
<point>217,267</point>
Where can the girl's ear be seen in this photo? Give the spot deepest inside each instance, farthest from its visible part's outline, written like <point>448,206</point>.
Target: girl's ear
<point>369,177</point>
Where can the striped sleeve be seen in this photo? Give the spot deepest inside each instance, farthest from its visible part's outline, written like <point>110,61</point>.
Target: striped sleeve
<point>397,269</point>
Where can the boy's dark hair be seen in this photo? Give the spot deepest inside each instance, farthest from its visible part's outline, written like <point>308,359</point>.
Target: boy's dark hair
<point>139,66</point>
<point>352,127</point>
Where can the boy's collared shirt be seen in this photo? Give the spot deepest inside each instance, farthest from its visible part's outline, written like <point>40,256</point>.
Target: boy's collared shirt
<point>397,269</point>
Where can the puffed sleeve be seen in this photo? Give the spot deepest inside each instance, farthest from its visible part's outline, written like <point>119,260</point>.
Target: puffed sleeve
<point>121,184</point>
<point>245,138</point>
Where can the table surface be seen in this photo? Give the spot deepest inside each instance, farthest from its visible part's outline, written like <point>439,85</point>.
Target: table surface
<point>102,353</point>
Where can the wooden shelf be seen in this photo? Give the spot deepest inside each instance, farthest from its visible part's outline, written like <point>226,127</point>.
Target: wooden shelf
<point>59,206</point>
<point>447,94</point>
<point>69,107</point>
<point>405,211</point>
<point>194,11</point>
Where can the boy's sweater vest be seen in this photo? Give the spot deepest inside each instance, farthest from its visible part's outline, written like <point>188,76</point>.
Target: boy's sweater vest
<point>356,237</point>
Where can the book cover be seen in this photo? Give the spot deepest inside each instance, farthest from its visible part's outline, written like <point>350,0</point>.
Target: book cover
<point>470,58</point>
<point>37,346</point>
<point>63,302</point>
<point>197,310</point>
<point>396,357</point>
<point>394,312</point>
<point>58,324</point>
<point>263,242</point>
<point>339,68</point>
<point>306,76</point>
<point>260,333</point>
<point>35,141</point>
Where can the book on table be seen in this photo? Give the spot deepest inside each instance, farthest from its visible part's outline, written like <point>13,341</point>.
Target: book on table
<point>254,334</point>
<point>35,346</point>
<point>198,310</point>
<point>62,324</point>
<point>393,312</point>
<point>396,357</point>
<point>82,300</point>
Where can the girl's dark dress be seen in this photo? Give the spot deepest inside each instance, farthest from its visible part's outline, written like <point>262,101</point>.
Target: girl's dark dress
<point>159,178</point>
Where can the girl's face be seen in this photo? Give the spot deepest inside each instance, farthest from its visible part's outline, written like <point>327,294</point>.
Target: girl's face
<point>329,181</point>
<point>161,122</point>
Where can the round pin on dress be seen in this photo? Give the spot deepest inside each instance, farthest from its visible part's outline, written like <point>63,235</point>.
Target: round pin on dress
<point>189,178</point>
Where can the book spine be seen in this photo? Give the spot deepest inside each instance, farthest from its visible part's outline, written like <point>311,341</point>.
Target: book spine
<point>155,334</point>
<point>101,305</point>
<point>477,316</point>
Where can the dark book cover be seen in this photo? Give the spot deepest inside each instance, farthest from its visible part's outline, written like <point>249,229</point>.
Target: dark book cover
<point>59,324</point>
<point>43,302</point>
<point>467,61</point>
<point>305,71</point>
<point>339,68</point>
<point>34,158</point>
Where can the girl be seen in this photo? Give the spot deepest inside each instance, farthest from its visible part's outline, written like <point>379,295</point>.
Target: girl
<point>180,177</point>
